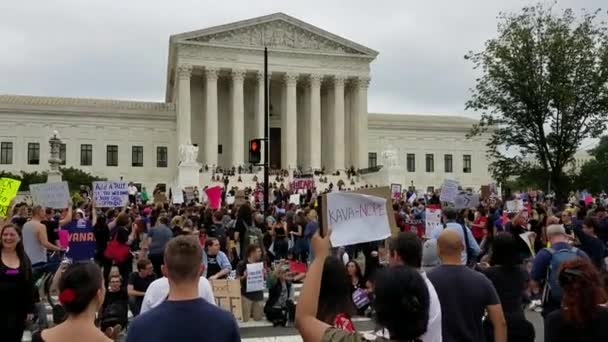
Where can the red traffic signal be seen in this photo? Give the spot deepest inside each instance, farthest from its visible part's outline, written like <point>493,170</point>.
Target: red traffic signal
<point>255,151</point>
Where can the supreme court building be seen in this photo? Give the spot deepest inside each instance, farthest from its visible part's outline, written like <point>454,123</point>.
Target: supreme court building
<point>215,100</point>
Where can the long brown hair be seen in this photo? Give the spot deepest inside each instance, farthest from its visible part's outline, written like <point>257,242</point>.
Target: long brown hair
<point>583,291</point>
<point>25,266</point>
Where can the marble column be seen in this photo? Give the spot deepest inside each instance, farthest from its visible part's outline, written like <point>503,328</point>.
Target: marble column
<point>184,71</point>
<point>259,109</point>
<point>211,120</point>
<point>314,129</point>
<point>360,124</point>
<point>289,138</point>
<point>337,137</point>
<point>238,118</point>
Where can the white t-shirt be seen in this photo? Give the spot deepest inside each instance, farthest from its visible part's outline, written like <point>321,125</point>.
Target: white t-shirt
<point>132,190</point>
<point>433,327</point>
<point>158,291</point>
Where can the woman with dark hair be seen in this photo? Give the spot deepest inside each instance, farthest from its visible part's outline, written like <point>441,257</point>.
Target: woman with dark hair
<point>16,285</point>
<point>590,243</point>
<point>279,232</point>
<point>123,236</point>
<point>102,237</point>
<point>402,302</point>
<point>479,224</point>
<point>357,283</point>
<point>244,219</point>
<point>582,317</point>
<point>510,280</point>
<point>81,293</point>
<point>335,299</point>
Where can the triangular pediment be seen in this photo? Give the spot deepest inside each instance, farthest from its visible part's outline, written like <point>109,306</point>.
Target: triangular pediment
<point>276,31</point>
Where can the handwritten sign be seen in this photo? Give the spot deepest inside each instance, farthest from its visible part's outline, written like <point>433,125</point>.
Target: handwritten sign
<point>465,200</point>
<point>449,191</point>
<point>515,206</point>
<point>356,218</point>
<point>255,277</point>
<point>110,194</point>
<point>230,200</point>
<point>8,190</point>
<point>177,196</point>
<point>432,219</point>
<point>305,183</point>
<point>189,190</point>
<point>51,195</point>
<point>294,199</point>
<point>227,294</point>
<point>396,191</point>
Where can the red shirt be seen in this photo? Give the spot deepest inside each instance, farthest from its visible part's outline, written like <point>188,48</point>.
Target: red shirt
<point>342,321</point>
<point>479,227</point>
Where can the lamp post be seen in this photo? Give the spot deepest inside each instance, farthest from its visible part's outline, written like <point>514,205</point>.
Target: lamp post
<point>54,175</point>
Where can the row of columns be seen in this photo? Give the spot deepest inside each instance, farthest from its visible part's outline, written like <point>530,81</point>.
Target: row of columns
<point>289,132</point>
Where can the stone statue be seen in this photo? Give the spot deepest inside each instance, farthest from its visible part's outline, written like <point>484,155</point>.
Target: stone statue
<point>188,153</point>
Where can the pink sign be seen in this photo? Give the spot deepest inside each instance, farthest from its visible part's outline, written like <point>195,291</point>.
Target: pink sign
<point>214,195</point>
<point>588,199</point>
<point>302,183</point>
<point>64,237</point>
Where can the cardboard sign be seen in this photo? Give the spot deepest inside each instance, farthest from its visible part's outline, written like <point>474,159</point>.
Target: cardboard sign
<point>465,200</point>
<point>8,190</point>
<point>515,206</point>
<point>449,191</point>
<point>414,226</point>
<point>110,194</point>
<point>177,195</point>
<point>486,192</point>
<point>255,277</point>
<point>240,198</point>
<point>294,199</point>
<point>51,195</point>
<point>432,221</point>
<point>396,191</point>
<point>227,294</point>
<point>356,218</point>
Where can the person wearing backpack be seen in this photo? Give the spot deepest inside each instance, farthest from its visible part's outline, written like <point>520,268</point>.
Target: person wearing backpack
<point>547,262</point>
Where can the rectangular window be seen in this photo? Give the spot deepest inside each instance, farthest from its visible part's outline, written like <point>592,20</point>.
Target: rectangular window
<point>112,155</point>
<point>33,153</point>
<point>372,159</point>
<point>447,161</point>
<point>137,156</point>
<point>6,152</point>
<point>161,156</point>
<point>86,154</point>
<point>411,162</point>
<point>466,163</point>
<point>62,152</point>
<point>430,163</point>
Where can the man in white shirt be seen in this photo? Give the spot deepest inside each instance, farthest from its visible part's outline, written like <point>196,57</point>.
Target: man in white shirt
<point>406,249</point>
<point>158,291</point>
<point>132,190</point>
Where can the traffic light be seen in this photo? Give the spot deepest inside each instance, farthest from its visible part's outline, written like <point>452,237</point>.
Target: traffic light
<point>255,151</point>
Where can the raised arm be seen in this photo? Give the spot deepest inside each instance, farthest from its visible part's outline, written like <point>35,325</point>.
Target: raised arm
<point>68,216</point>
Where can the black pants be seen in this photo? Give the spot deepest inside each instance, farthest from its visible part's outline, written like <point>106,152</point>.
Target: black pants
<point>281,248</point>
<point>157,261</point>
<point>281,316</point>
<point>518,329</point>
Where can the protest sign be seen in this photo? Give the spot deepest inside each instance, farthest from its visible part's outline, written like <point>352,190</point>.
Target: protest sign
<point>412,198</point>
<point>449,191</point>
<point>177,196</point>
<point>432,221</point>
<point>51,195</point>
<point>515,206</point>
<point>64,238</point>
<point>305,183</point>
<point>230,199</point>
<point>161,197</point>
<point>110,194</point>
<point>8,190</point>
<point>414,226</point>
<point>255,277</point>
<point>189,190</point>
<point>227,294</point>
<point>240,198</point>
<point>588,199</point>
<point>214,194</point>
<point>486,192</point>
<point>294,199</point>
<point>466,200</point>
<point>396,191</point>
<point>356,218</point>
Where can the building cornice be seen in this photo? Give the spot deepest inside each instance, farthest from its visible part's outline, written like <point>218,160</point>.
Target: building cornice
<point>413,122</point>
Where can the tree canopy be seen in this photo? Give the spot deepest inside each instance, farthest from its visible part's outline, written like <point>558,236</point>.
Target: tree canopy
<point>593,175</point>
<point>74,177</point>
<point>542,90</point>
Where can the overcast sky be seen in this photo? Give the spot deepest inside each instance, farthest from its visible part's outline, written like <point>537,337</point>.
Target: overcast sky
<point>118,48</point>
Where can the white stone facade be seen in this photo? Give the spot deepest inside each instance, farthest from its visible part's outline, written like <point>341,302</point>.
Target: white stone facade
<point>214,100</point>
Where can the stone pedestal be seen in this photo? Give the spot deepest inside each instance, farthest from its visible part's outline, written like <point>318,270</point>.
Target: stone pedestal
<point>188,174</point>
<point>53,177</point>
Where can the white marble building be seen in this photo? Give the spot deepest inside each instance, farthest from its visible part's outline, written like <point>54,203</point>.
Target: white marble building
<point>214,100</point>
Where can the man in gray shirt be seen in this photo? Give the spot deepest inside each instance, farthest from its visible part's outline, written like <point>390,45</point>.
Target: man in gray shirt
<point>158,236</point>
<point>35,240</point>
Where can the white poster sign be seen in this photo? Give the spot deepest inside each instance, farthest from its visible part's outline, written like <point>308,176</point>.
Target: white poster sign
<point>177,195</point>
<point>110,194</point>
<point>432,220</point>
<point>396,191</point>
<point>356,218</point>
<point>466,200</point>
<point>449,191</point>
<point>255,277</point>
<point>230,200</point>
<point>412,198</point>
<point>515,206</point>
<point>294,199</point>
<point>51,195</point>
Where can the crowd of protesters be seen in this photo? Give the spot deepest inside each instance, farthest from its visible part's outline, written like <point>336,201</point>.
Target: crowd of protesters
<point>471,278</point>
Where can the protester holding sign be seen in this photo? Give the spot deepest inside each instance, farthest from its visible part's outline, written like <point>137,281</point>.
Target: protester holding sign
<point>82,242</point>
<point>252,301</point>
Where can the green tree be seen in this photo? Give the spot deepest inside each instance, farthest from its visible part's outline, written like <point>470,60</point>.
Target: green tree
<point>593,175</point>
<point>543,89</point>
<point>76,178</point>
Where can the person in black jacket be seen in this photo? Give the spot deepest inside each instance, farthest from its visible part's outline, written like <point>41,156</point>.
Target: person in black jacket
<point>279,308</point>
<point>590,243</point>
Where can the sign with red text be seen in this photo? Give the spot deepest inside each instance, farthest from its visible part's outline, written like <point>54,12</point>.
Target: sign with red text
<point>356,218</point>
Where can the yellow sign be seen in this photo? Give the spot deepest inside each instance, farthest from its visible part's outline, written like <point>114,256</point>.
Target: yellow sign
<point>8,191</point>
